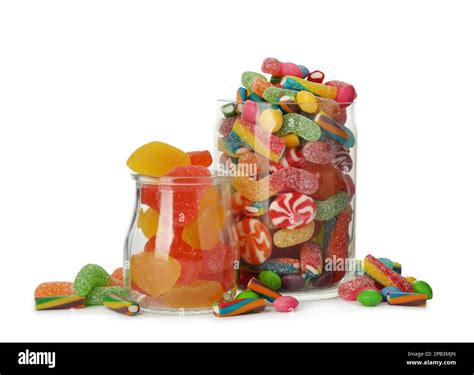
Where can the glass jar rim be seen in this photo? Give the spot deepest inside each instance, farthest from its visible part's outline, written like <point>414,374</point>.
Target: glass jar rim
<point>214,179</point>
<point>278,103</point>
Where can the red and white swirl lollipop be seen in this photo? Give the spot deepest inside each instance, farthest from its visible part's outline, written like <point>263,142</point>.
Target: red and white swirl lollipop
<point>292,210</point>
<point>255,241</point>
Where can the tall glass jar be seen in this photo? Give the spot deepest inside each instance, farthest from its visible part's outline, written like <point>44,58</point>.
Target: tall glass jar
<point>293,176</point>
<point>181,251</point>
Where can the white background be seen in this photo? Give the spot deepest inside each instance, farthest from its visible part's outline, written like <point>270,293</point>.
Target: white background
<point>83,83</point>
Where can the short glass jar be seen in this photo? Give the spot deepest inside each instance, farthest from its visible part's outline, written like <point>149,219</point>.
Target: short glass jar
<point>293,177</point>
<point>181,253</point>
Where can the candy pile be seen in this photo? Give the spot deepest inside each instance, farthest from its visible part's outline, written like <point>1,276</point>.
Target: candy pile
<point>93,286</point>
<point>381,280</point>
<point>287,143</point>
<point>184,256</point>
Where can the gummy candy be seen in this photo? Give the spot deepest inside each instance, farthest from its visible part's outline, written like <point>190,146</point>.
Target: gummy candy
<point>201,158</point>
<point>91,276</point>
<point>205,232</point>
<point>292,210</point>
<point>406,299</point>
<point>292,282</point>
<point>299,84</point>
<point>148,196</point>
<point>330,180</point>
<point>300,125</point>
<point>331,207</point>
<point>250,111</point>
<point>311,260</point>
<point>232,145</point>
<point>332,128</point>
<point>200,293</point>
<point>54,289</point>
<point>148,221</point>
<point>94,298</point>
<point>259,190</point>
<point>290,237</point>
<point>117,276</point>
<point>338,247</point>
<point>291,140</point>
<point>295,179</point>
<point>255,82</point>
<point>282,266</point>
<point>255,163</point>
<point>346,93</point>
<point>384,275</point>
<point>342,159</point>
<point>275,94</point>
<point>319,152</point>
<point>279,69</point>
<point>255,209</point>
<point>229,110</point>
<point>218,259</point>
<point>121,305</point>
<point>285,304</point>
<point>226,126</point>
<point>156,159</point>
<point>263,290</point>
<point>349,290</point>
<point>255,241</point>
<point>154,274</point>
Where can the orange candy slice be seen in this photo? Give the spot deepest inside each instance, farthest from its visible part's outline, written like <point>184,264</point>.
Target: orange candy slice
<point>200,293</point>
<point>205,232</point>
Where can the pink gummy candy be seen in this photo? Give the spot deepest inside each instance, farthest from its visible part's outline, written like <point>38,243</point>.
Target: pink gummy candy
<point>319,152</point>
<point>279,69</point>
<point>311,259</point>
<point>250,111</point>
<point>350,289</point>
<point>226,125</point>
<point>346,93</point>
<point>294,179</point>
<point>285,304</point>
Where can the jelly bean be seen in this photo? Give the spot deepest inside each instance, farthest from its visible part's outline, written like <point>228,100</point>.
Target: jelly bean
<point>60,302</point>
<point>200,293</point>
<point>255,241</point>
<point>229,110</point>
<point>250,111</point>
<point>423,287</point>
<point>384,275</point>
<point>387,290</point>
<point>324,280</point>
<point>155,275</point>
<point>338,246</point>
<point>298,84</point>
<point>259,140</point>
<point>247,294</point>
<point>300,125</point>
<point>270,279</point>
<point>293,157</point>
<point>316,76</point>
<point>291,140</point>
<point>290,237</point>
<point>276,94</point>
<point>156,159</point>
<point>331,207</point>
<point>406,299</point>
<point>200,158</point>
<point>332,128</point>
<point>307,102</point>
<point>349,290</point>
<point>255,82</point>
<point>54,289</point>
<point>311,259</point>
<point>369,297</point>
<point>292,282</point>
<point>204,233</point>
<point>254,190</point>
<point>226,125</point>
<point>285,304</point>
<point>148,221</point>
<point>270,120</point>
<point>95,297</point>
<point>279,69</point>
<point>346,93</point>
<point>91,276</point>
<point>239,307</point>
<point>292,210</point>
<point>319,152</point>
<point>294,178</point>
<point>263,290</point>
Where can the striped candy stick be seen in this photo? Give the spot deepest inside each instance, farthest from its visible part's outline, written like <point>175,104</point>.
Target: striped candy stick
<point>239,307</point>
<point>120,305</point>
<point>60,302</point>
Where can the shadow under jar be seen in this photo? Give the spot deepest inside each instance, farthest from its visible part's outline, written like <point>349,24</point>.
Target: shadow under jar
<point>181,254</point>
<point>293,199</point>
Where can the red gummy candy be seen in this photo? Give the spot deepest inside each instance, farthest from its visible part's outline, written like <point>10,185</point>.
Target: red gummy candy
<point>350,289</point>
<point>226,125</point>
<point>330,178</point>
<point>200,158</point>
<point>148,196</point>
<point>294,179</point>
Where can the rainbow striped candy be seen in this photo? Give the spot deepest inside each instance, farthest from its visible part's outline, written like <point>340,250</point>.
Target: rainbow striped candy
<point>299,84</point>
<point>120,305</point>
<point>263,290</point>
<point>332,128</point>
<point>239,307</point>
<point>406,299</point>
<point>384,275</point>
<point>60,302</point>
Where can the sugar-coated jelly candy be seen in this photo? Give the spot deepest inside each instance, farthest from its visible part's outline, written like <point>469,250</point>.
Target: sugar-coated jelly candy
<point>349,290</point>
<point>279,69</point>
<point>295,179</point>
<point>91,276</point>
<point>54,289</point>
<point>300,125</point>
<point>255,241</point>
<point>117,276</point>
<point>205,232</point>
<point>338,247</point>
<point>217,259</point>
<point>330,180</point>
<point>148,221</point>
<point>290,237</point>
<point>148,196</point>
<point>155,275</point>
<point>331,207</point>
<point>259,190</point>
<point>202,158</point>
<point>156,159</point>
<point>311,259</point>
<point>384,275</point>
<point>200,293</point>
<point>94,298</point>
<point>319,152</point>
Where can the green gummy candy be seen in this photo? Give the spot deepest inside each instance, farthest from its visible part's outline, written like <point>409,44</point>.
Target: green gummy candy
<point>270,279</point>
<point>273,94</point>
<point>423,287</point>
<point>247,294</point>
<point>369,297</point>
<point>302,126</point>
<point>89,277</point>
<point>248,78</point>
<point>331,207</point>
<point>95,297</point>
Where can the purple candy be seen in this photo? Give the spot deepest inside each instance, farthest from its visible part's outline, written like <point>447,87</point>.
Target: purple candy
<point>292,282</point>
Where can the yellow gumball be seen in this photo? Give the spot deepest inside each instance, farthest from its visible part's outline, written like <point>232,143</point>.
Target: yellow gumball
<point>271,120</point>
<point>307,102</point>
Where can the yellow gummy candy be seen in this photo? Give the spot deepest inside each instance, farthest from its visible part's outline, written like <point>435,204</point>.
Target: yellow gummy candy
<point>205,232</point>
<point>291,140</point>
<point>155,275</point>
<point>200,293</point>
<point>253,190</point>
<point>156,159</point>
<point>210,197</point>
<point>148,221</point>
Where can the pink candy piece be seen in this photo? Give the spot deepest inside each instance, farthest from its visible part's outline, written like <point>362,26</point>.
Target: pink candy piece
<point>292,210</point>
<point>345,92</point>
<point>250,111</point>
<point>316,76</point>
<point>225,127</point>
<point>342,159</point>
<point>279,69</point>
<point>350,289</point>
<point>285,304</point>
<point>293,157</point>
<point>319,152</point>
<point>311,259</point>
<point>295,179</point>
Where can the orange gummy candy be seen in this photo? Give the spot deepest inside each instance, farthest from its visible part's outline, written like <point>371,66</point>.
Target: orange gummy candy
<point>54,289</point>
<point>117,276</point>
<point>200,293</point>
<point>154,274</point>
<point>202,158</point>
<point>205,232</point>
<point>148,221</point>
